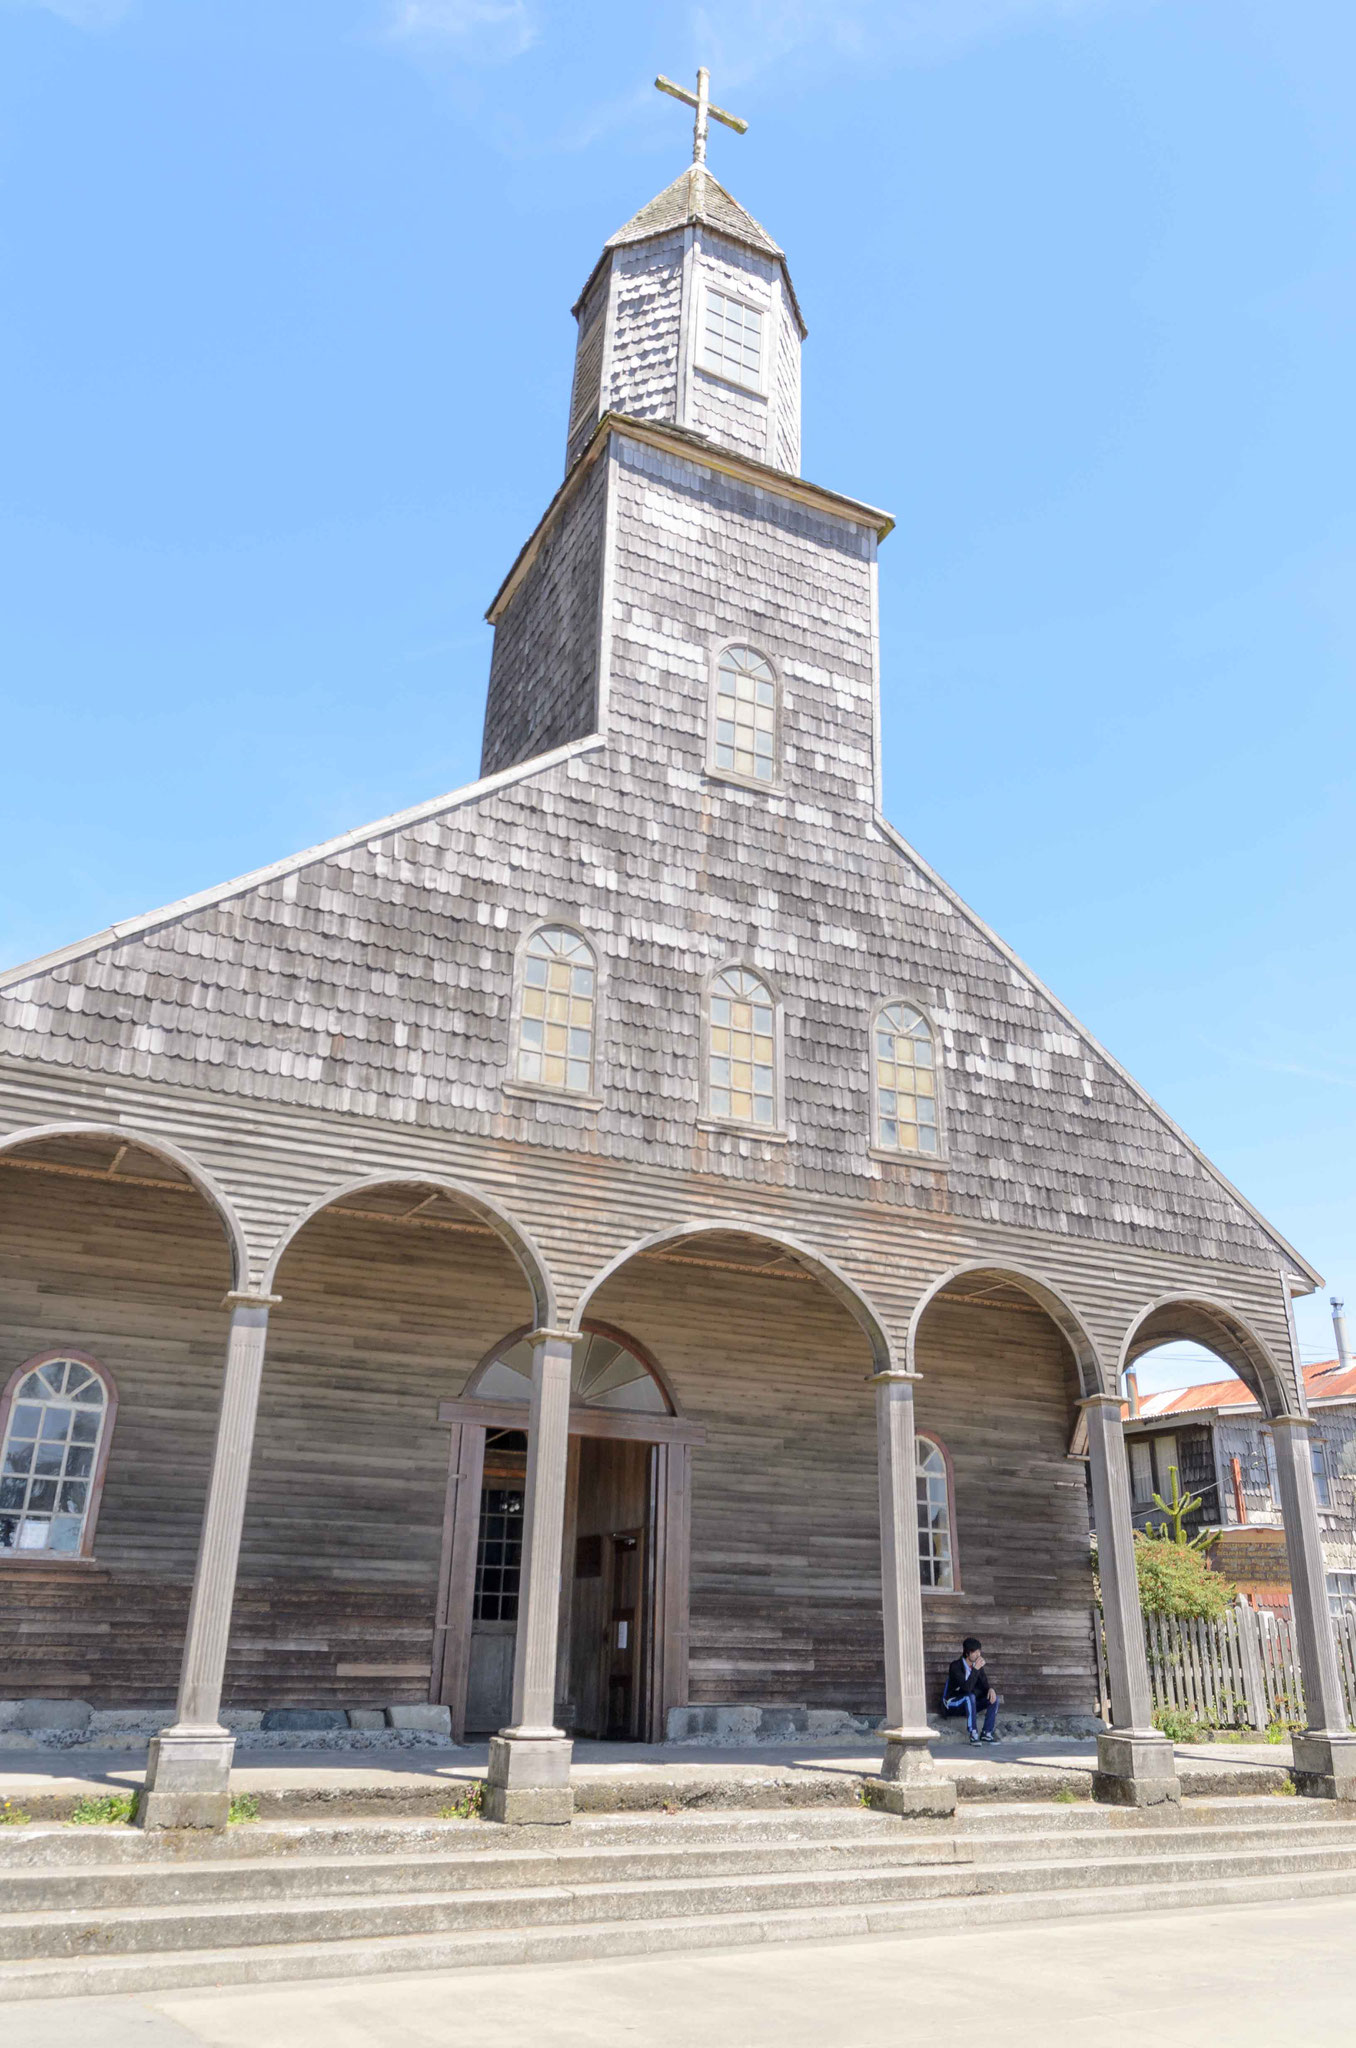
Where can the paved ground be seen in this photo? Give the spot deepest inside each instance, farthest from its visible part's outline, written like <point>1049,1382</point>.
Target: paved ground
<point>1274,1976</point>
<point>335,1779</point>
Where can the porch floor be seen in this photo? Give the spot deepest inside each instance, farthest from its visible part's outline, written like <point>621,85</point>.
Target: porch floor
<point>627,1777</point>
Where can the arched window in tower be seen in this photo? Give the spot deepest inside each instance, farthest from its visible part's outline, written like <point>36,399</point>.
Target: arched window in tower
<point>56,1413</point>
<point>744,724</point>
<point>557,1012</point>
<point>742,1072</point>
<point>905,1081</point>
<point>936,1552</point>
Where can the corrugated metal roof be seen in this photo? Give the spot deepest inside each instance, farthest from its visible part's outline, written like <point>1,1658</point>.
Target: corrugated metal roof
<point>1325,1382</point>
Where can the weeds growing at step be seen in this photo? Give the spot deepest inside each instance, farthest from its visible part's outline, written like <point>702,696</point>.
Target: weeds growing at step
<point>12,1816</point>
<point>109,1809</point>
<point>469,1807</point>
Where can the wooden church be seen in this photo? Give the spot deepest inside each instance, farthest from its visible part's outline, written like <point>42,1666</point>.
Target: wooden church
<point>622,1238</point>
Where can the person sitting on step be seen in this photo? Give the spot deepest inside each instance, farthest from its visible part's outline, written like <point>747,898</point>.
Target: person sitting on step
<point>969,1687</point>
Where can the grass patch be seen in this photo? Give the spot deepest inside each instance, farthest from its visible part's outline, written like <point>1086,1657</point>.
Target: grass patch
<point>1289,1790</point>
<point>1066,1796</point>
<point>12,1816</point>
<point>112,1809</point>
<point>469,1807</point>
<point>244,1807</point>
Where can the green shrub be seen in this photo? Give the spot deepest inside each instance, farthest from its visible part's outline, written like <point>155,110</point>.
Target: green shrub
<point>108,1810</point>
<point>1174,1579</point>
<point>1179,1726</point>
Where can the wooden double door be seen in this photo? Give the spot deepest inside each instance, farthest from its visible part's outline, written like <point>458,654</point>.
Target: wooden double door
<point>622,1660</point>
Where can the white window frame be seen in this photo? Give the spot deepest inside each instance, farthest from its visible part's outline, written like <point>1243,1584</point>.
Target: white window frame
<point>546,1090</point>
<point>94,1479</point>
<point>709,1119</point>
<point>899,1154</point>
<point>934,1442</point>
<point>737,775</point>
<point>758,386</point>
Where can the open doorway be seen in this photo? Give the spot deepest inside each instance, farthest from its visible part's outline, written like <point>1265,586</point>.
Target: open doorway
<point>624,1562</point>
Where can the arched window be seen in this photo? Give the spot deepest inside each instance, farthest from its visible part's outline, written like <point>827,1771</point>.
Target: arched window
<point>606,1372</point>
<point>556,1012</point>
<point>57,1414</point>
<point>744,740</point>
<point>742,1062</point>
<point>905,1081</point>
<point>936,1549</point>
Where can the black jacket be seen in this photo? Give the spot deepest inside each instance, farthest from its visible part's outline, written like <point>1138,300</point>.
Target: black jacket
<point>962,1678</point>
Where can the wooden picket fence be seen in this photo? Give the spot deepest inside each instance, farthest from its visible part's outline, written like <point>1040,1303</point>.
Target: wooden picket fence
<point>1241,1671</point>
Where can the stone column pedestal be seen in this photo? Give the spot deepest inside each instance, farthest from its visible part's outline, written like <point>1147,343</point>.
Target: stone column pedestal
<point>1135,1769</point>
<point>1324,1765</point>
<point>528,1782</point>
<point>188,1779</point>
<point>910,1783</point>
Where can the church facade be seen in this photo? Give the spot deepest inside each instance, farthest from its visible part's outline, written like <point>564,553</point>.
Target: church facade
<point>624,1237</point>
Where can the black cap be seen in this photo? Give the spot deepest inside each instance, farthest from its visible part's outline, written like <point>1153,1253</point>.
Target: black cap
<point>970,1643</point>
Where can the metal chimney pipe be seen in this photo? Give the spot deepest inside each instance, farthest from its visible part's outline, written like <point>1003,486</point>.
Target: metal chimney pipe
<point>1339,1330</point>
<point>1132,1392</point>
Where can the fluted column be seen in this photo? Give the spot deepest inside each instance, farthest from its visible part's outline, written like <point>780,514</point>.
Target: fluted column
<point>189,1766</point>
<point>1135,1765</point>
<point>1325,1754</point>
<point>909,1781</point>
<point>529,1771</point>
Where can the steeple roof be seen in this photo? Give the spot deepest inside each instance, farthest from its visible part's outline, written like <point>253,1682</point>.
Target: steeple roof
<point>695,195</point>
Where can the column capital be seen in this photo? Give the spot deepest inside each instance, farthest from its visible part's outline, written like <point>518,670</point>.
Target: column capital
<point>249,1297</point>
<point>545,1336</point>
<point>1288,1421</point>
<point>1116,1401</point>
<point>892,1378</point>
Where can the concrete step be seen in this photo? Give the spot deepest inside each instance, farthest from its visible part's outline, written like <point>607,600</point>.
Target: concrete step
<point>106,1975</point>
<point>426,1867</point>
<point>141,1929</point>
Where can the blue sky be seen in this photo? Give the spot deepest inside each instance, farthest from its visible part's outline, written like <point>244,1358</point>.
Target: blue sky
<point>285,373</point>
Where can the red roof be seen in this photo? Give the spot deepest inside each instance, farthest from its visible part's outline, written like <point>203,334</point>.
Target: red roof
<point>1326,1382</point>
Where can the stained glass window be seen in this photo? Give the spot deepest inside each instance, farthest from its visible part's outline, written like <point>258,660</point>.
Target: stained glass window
<point>556,1020</point>
<point>732,339</point>
<point>743,1062</point>
<point>746,715</point>
<point>50,1455</point>
<point>934,1516</point>
<point>906,1082</point>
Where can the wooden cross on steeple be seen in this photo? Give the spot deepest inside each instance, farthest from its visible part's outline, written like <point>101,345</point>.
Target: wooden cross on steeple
<point>701,100</point>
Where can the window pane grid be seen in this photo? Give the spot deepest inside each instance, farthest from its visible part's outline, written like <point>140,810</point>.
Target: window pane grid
<point>499,1554</point>
<point>746,715</point>
<point>556,1022</point>
<point>732,339</point>
<point>743,1075</point>
<point>906,1082</point>
<point>47,1465</point>
<point>934,1517</point>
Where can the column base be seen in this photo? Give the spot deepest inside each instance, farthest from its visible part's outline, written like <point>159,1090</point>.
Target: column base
<point>528,1782</point>
<point>188,1779</point>
<point>1135,1770</point>
<point>909,1783</point>
<point>1324,1766</point>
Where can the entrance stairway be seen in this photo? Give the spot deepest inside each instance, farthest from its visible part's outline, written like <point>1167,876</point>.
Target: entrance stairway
<point>102,1910</point>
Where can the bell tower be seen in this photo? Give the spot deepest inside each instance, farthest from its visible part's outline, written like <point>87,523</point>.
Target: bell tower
<point>690,317</point>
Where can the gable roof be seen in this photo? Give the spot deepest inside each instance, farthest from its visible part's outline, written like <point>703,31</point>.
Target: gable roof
<point>1330,1381</point>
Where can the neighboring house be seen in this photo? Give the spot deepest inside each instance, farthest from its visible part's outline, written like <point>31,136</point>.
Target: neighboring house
<point>1223,1451</point>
